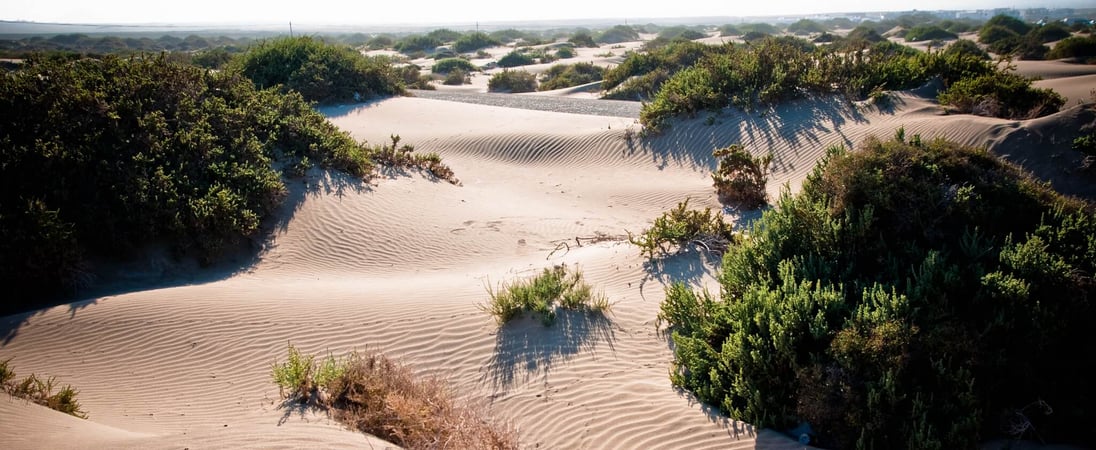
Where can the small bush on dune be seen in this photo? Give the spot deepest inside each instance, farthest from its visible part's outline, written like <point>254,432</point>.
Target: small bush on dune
<point>555,287</point>
<point>474,41</point>
<point>457,77</point>
<point>1001,94</point>
<point>567,75</point>
<point>516,58</point>
<point>965,47</point>
<point>512,81</point>
<point>1082,47</point>
<point>321,72</point>
<point>740,177</point>
<point>40,391</point>
<point>617,34</point>
<point>403,156</point>
<point>565,52</point>
<point>377,395</point>
<point>682,226</point>
<point>928,33</point>
<point>582,39</point>
<point>446,65</point>
<point>912,295</point>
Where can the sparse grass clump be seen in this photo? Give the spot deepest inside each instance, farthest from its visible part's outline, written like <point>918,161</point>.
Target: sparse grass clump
<point>40,391</point>
<point>374,394</point>
<point>681,226</point>
<point>555,287</point>
<point>403,156</point>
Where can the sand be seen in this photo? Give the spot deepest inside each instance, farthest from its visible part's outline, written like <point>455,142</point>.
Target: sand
<point>401,264</point>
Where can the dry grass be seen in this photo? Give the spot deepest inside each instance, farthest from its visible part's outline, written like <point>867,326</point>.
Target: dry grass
<point>40,391</point>
<point>374,394</point>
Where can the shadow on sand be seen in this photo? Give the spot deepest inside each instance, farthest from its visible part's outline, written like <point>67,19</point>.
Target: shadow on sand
<point>158,267</point>
<point>525,348</point>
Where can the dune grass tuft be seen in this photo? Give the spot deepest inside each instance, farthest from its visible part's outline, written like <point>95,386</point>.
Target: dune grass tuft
<point>372,393</point>
<point>40,391</point>
<point>555,287</point>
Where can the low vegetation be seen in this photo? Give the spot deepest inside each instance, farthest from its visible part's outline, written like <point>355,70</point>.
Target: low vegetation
<point>104,157</point>
<point>516,58</point>
<point>682,226</point>
<point>374,394</point>
<point>740,177</point>
<point>1080,47</point>
<point>641,75</point>
<point>617,34</point>
<point>1001,94</point>
<point>929,33</point>
<point>512,81</point>
<point>558,287</point>
<point>566,75</point>
<point>914,294</point>
<point>474,41</point>
<point>321,72</point>
<point>767,72</point>
<point>444,66</point>
<point>41,391</point>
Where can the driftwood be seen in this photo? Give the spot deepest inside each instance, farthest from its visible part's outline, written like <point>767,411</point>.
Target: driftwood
<point>584,240</point>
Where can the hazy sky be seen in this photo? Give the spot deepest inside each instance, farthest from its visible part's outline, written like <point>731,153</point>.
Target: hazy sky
<point>449,11</point>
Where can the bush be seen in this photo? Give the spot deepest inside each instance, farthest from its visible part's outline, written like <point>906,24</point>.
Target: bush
<point>729,30</point>
<point>417,43</point>
<point>516,58</point>
<point>681,226</point>
<point>35,389</point>
<point>1001,94</point>
<point>652,69</point>
<point>457,77</point>
<point>512,81</point>
<point>806,26</point>
<point>740,177</point>
<point>912,295</point>
<point>555,288</point>
<point>446,65</point>
<point>565,52</point>
<point>929,33</point>
<point>376,395</point>
<point>582,39</point>
<point>104,157</point>
<point>1083,47</point>
<point>680,32</point>
<point>618,34</point>
<point>567,75</point>
<point>965,47</point>
<point>1050,32</point>
<point>1011,23</point>
<point>474,41</point>
<point>321,72</point>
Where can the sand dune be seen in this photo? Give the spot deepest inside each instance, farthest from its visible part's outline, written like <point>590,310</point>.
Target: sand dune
<point>401,264</point>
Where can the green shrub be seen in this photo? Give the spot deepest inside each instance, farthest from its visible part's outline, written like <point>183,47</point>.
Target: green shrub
<point>1008,22</point>
<point>516,58</point>
<point>474,41</point>
<point>567,75</point>
<point>912,295</point>
<point>682,226</point>
<point>214,58</point>
<point>617,34</point>
<point>444,35</point>
<point>446,65</point>
<point>740,177</point>
<point>929,33</point>
<point>1050,32</point>
<point>34,389</point>
<point>457,77</point>
<point>294,376</point>
<point>729,30</point>
<point>513,81</point>
<point>652,69</point>
<point>680,32</point>
<point>555,287</point>
<point>806,26</point>
<point>582,39</point>
<point>1083,47</point>
<point>565,52</point>
<point>1001,94</point>
<point>417,43</point>
<point>103,157</point>
<point>321,72</point>
<point>965,47</point>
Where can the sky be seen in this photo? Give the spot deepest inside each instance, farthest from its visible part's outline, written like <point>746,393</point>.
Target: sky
<point>452,11</point>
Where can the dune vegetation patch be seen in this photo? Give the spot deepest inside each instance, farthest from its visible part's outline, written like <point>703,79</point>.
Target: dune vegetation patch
<point>567,75</point>
<point>41,391</point>
<point>374,394</point>
<point>102,157</point>
<point>557,287</point>
<point>683,226</point>
<point>914,294</point>
<point>512,81</point>
<point>321,72</point>
<point>685,78</point>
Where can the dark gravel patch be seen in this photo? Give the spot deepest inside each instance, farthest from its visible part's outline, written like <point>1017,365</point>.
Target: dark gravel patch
<point>595,107</point>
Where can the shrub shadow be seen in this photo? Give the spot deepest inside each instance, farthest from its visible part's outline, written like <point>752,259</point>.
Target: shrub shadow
<point>794,124</point>
<point>690,266</point>
<point>525,348</point>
